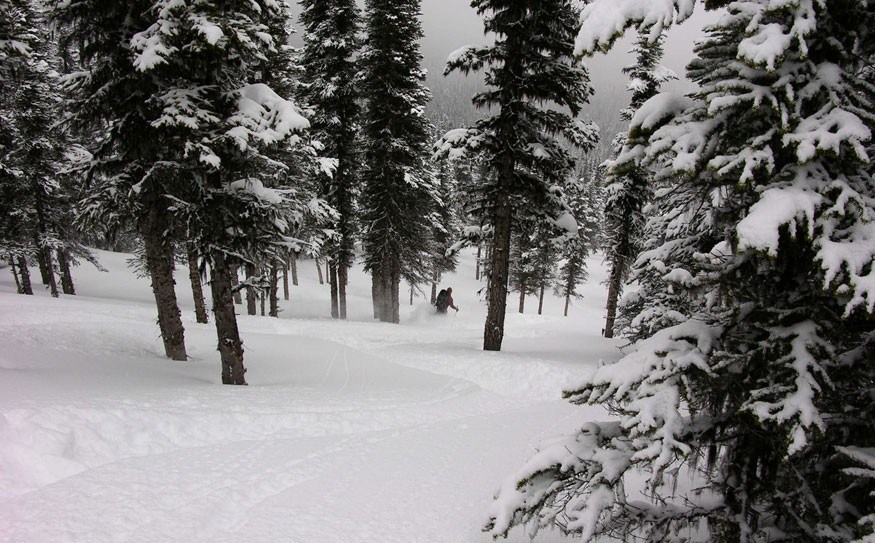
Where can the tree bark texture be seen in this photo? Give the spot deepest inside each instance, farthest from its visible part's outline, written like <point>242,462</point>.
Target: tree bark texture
<point>342,281</point>
<point>293,265</point>
<point>251,298</point>
<point>319,271</point>
<point>230,346</point>
<point>493,333</point>
<point>523,297</point>
<point>26,285</point>
<point>67,286</point>
<point>477,264</point>
<point>567,302</point>
<point>234,274</point>
<point>541,300</point>
<point>159,261</point>
<point>285,282</point>
<point>615,285</point>
<point>333,281</point>
<point>42,263</point>
<point>274,288</point>
<point>376,294</point>
<point>197,286</point>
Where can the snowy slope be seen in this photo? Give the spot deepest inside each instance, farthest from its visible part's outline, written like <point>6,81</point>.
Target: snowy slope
<point>349,431</point>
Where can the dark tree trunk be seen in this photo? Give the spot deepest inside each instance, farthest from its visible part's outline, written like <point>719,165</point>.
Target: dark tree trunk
<point>433,293</point>
<point>197,287</point>
<point>159,261</point>
<point>42,263</point>
<point>377,294</point>
<point>319,271</point>
<point>26,285</point>
<point>493,333</point>
<point>230,346</point>
<point>67,286</point>
<point>342,281</point>
<point>411,294</point>
<point>541,301</point>
<point>262,295</point>
<point>251,298</point>
<point>327,273</point>
<point>53,283</point>
<point>477,264</point>
<point>18,287</point>
<point>523,297</point>
<point>394,310</point>
<point>285,282</point>
<point>274,288</point>
<point>615,285</point>
<point>332,279</point>
<point>293,265</point>
<point>567,302</point>
<point>234,275</point>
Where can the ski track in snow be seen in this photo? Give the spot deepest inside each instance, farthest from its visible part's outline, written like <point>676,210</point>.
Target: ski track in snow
<point>349,431</point>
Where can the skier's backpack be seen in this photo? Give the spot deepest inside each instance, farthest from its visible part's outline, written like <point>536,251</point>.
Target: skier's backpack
<point>441,302</point>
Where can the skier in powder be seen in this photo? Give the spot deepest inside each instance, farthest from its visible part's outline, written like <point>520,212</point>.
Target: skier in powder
<point>445,300</point>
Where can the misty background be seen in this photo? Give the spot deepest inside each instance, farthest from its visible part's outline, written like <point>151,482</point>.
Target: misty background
<point>451,24</point>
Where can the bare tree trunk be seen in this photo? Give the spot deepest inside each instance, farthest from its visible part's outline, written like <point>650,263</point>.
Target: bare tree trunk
<point>333,281</point>
<point>498,271</point>
<point>395,299</point>
<point>42,263</point>
<point>342,281</point>
<point>319,271</point>
<point>523,297</point>
<point>262,295</point>
<point>327,272</point>
<point>26,285</point>
<point>229,344</point>
<point>411,294</point>
<point>567,302</point>
<point>251,299</point>
<point>18,287</point>
<point>67,286</point>
<point>541,300</point>
<point>477,264</point>
<point>615,285</point>
<point>53,283</point>
<point>197,286</point>
<point>159,261</point>
<point>274,288</point>
<point>293,264</point>
<point>377,294</point>
<point>234,275</point>
<point>285,282</point>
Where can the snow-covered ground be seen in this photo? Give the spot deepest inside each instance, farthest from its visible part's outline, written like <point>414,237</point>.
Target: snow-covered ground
<point>351,431</point>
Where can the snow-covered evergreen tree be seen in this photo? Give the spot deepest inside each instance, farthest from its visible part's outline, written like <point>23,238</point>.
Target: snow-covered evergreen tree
<point>628,184</point>
<point>399,188</point>
<point>585,197</point>
<point>36,208</point>
<point>751,373</point>
<point>130,174</point>
<point>329,71</point>
<point>529,65</point>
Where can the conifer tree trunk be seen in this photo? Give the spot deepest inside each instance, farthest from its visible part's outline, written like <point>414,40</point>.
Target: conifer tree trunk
<point>67,286</point>
<point>293,265</point>
<point>42,263</point>
<point>319,271</point>
<point>411,294</point>
<point>234,275</point>
<point>285,282</point>
<point>498,270</point>
<point>477,264</point>
<point>541,300</point>
<point>274,288</point>
<point>15,275</point>
<point>53,283</point>
<point>376,294</point>
<point>395,300</point>
<point>197,287</point>
<point>159,261</point>
<point>262,295</point>
<point>333,282</point>
<point>615,283</point>
<point>434,291</point>
<point>251,300</point>
<point>523,297</point>
<point>567,302</point>
<point>229,345</point>
<point>26,285</point>
<point>342,280</point>
<point>327,272</point>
